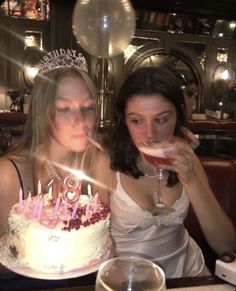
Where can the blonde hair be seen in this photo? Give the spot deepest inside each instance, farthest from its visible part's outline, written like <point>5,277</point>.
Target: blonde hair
<point>42,111</point>
<point>41,118</point>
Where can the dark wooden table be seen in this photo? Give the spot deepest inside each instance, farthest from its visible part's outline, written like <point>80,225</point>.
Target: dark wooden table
<point>87,283</point>
<point>170,283</point>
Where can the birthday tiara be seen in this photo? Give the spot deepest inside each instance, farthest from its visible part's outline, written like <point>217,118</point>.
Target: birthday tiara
<point>62,58</point>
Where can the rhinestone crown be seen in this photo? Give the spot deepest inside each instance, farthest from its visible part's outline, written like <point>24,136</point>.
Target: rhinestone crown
<point>62,58</point>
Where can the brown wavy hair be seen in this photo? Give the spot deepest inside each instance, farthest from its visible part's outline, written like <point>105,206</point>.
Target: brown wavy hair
<point>143,81</point>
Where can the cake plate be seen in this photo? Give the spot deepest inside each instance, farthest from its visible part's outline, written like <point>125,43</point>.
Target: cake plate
<point>11,263</point>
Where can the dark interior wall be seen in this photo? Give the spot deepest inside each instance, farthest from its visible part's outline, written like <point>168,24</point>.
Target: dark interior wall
<point>225,9</point>
<point>61,35</point>
<point>12,34</point>
<point>57,33</point>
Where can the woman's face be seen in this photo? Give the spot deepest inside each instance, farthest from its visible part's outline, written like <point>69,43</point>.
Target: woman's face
<point>75,114</point>
<point>149,118</point>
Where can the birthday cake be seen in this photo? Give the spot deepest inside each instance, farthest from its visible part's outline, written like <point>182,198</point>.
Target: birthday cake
<point>57,237</point>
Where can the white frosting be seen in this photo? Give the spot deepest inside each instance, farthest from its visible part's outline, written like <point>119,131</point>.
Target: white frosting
<point>53,248</point>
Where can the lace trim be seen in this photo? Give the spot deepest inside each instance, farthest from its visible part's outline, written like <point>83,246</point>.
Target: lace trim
<point>144,218</point>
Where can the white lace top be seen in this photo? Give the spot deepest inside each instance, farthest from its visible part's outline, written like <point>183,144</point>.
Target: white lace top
<point>164,239</point>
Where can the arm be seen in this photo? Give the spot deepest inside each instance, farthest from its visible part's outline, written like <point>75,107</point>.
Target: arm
<point>9,189</point>
<point>216,226</point>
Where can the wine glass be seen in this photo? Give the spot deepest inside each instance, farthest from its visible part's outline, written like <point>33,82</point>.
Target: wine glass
<point>129,273</point>
<point>155,154</point>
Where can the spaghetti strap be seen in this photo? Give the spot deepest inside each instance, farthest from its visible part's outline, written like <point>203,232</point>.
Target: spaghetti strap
<point>117,176</point>
<point>18,173</point>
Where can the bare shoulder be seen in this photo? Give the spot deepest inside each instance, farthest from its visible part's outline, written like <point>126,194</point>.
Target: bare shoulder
<point>9,189</point>
<point>9,180</point>
<point>7,169</point>
<point>104,175</point>
<point>102,165</point>
<point>103,159</point>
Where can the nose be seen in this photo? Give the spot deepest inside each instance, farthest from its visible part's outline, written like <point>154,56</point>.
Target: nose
<point>151,132</point>
<point>78,119</point>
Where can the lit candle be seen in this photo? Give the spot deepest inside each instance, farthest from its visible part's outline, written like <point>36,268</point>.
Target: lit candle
<point>50,193</point>
<point>87,212</point>
<point>95,202</point>
<point>74,210</point>
<point>28,201</point>
<point>56,207</point>
<point>65,210</point>
<point>89,191</point>
<point>20,199</point>
<point>35,213</point>
<point>53,184</point>
<point>40,208</point>
<point>39,188</point>
<point>50,183</point>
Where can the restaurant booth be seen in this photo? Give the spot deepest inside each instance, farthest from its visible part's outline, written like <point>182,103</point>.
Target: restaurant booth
<point>198,39</point>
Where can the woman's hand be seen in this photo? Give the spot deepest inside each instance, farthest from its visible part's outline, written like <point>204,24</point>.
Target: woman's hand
<point>183,160</point>
<point>206,207</point>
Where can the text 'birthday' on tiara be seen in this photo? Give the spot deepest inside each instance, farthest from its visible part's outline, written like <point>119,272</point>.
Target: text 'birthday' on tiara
<point>62,58</point>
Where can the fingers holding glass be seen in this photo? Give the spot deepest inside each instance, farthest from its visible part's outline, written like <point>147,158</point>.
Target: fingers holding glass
<point>156,154</point>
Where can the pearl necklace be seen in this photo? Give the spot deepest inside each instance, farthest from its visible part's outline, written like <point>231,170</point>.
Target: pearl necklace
<point>53,172</point>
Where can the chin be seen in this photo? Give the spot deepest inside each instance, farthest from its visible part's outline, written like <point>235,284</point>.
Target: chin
<point>79,148</point>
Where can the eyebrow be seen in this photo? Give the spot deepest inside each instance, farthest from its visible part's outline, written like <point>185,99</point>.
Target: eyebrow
<point>140,114</point>
<point>68,99</point>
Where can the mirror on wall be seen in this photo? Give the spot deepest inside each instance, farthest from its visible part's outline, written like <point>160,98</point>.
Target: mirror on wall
<point>188,69</point>
<point>220,80</point>
<point>185,74</point>
<point>33,55</point>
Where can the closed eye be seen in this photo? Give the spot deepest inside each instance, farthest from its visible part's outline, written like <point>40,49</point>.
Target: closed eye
<point>88,108</point>
<point>63,109</point>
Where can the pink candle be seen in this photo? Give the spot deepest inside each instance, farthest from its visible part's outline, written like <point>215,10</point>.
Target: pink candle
<point>50,183</point>
<point>50,192</point>
<point>20,199</point>
<point>54,186</point>
<point>28,201</point>
<point>35,213</point>
<point>89,190</point>
<point>39,188</point>
<point>65,210</point>
<point>74,211</point>
<point>87,212</point>
<point>95,202</point>
<point>56,207</point>
<point>40,208</point>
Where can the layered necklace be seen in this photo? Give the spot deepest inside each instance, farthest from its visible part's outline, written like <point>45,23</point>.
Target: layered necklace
<point>53,171</point>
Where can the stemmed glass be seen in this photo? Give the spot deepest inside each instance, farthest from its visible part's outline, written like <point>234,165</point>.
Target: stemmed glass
<point>155,154</point>
<point>126,273</point>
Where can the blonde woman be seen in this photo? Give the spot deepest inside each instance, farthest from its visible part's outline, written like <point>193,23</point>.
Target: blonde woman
<point>61,121</point>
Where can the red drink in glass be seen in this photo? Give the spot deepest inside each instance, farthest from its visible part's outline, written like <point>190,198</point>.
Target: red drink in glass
<point>155,153</point>
<point>158,160</point>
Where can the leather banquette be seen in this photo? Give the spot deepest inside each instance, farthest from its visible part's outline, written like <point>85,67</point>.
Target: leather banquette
<point>221,173</point>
